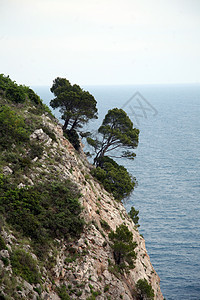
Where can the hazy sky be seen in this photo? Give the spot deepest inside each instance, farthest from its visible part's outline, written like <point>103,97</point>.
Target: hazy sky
<point>100,41</point>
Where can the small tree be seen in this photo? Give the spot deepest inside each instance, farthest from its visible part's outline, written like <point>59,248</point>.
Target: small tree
<point>123,246</point>
<point>144,289</point>
<point>116,132</point>
<point>133,213</point>
<point>77,106</point>
<point>115,178</point>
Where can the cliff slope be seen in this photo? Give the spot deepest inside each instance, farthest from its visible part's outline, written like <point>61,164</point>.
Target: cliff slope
<point>81,268</point>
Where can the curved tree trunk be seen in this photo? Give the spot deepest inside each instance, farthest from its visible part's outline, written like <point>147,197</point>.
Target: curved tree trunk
<point>74,124</point>
<point>65,124</point>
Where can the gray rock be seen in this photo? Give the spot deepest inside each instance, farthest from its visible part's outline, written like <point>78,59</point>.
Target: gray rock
<point>7,171</point>
<point>40,135</point>
<point>28,286</point>
<point>21,185</point>
<point>4,253</point>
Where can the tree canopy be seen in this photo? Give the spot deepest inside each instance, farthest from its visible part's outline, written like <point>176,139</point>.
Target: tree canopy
<point>123,246</point>
<point>77,106</point>
<point>115,178</point>
<point>116,131</point>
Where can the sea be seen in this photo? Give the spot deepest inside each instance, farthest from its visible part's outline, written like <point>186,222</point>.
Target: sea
<point>167,170</point>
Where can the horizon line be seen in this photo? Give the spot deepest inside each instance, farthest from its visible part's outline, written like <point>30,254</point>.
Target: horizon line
<point>126,84</point>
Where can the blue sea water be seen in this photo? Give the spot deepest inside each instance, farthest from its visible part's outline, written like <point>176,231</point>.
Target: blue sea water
<point>167,169</point>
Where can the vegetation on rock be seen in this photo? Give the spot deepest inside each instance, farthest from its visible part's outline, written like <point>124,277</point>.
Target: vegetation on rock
<point>25,266</point>
<point>43,240</point>
<point>77,107</point>
<point>133,213</point>
<point>144,290</point>
<point>123,247</point>
<point>21,94</point>
<point>2,243</point>
<point>115,178</point>
<point>116,132</point>
<point>42,212</point>
<point>13,128</point>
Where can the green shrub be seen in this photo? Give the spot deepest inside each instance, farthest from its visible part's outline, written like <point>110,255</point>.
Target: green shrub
<point>42,212</point>
<point>11,157</point>
<point>25,266</point>
<point>11,90</point>
<point>73,137</point>
<point>105,225</point>
<point>115,178</point>
<point>49,132</point>
<point>5,260</point>
<point>36,150</point>
<point>123,246</point>
<point>20,94</point>
<point>16,93</point>
<point>106,288</point>
<point>13,128</point>
<point>35,99</point>
<point>144,289</point>
<point>2,244</point>
<point>134,215</point>
<point>62,293</point>
<point>4,82</point>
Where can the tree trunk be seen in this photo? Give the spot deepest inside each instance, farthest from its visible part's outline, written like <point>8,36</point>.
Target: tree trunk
<point>65,124</point>
<point>74,124</point>
<point>99,155</point>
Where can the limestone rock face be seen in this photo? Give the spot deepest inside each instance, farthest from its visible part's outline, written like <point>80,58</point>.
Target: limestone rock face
<point>7,170</point>
<point>92,267</point>
<point>85,267</point>
<point>39,135</point>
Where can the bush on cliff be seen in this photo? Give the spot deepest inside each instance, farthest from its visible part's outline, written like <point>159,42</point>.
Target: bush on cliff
<point>13,128</point>
<point>123,247</point>
<point>21,94</point>
<point>42,212</point>
<point>133,213</point>
<point>144,290</point>
<point>115,178</point>
<point>25,266</point>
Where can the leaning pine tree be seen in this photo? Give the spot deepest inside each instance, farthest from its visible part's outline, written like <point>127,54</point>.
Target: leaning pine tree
<point>115,133</point>
<point>77,106</point>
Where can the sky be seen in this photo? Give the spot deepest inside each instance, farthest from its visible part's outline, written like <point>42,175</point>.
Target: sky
<point>100,42</point>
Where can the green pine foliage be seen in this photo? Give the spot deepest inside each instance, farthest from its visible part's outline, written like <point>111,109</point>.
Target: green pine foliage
<point>76,106</point>
<point>123,247</point>
<point>115,178</point>
<point>73,137</point>
<point>133,213</point>
<point>116,138</point>
<point>144,290</point>
<point>116,132</point>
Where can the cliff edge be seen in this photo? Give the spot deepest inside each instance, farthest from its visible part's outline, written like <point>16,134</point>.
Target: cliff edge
<point>83,268</point>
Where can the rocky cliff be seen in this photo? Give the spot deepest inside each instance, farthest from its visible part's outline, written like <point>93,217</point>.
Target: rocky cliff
<point>81,268</point>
